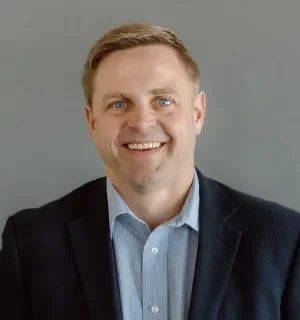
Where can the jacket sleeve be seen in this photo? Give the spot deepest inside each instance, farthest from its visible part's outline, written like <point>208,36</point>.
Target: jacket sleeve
<point>291,301</point>
<point>13,305</point>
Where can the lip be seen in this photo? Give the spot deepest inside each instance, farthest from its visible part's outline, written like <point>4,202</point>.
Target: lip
<point>143,142</point>
<point>143,153</point>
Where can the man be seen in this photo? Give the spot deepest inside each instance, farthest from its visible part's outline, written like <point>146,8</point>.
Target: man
<point>155,239</point>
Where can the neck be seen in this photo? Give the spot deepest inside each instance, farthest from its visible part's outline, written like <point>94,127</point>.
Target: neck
<point>159,204</point>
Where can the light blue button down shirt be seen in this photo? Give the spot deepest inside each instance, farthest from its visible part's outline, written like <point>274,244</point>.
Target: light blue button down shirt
<point>155,269</point>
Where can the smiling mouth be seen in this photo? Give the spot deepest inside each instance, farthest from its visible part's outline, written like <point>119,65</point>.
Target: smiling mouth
<point>142,147</point>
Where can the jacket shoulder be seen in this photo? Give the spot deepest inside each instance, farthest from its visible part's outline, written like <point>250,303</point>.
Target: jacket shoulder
<point>256,213</point>
<point>67,207</point>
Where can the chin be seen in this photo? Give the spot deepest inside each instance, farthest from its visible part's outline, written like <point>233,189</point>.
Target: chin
<point>142,178</point>
<point>147,180</point>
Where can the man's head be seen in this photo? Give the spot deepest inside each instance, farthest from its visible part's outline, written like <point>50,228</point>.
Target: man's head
<point>143,105</point>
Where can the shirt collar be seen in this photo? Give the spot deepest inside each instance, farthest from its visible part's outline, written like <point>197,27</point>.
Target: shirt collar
<point>189,214</point>
<point>116,204</point>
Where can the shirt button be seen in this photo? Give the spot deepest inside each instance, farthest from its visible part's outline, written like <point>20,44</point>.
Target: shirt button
<point>154,250</point>
<point>154,309</point>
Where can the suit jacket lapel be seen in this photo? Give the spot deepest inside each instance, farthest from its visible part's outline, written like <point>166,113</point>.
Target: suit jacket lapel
<point>218,244</point>
<point>94,256</point>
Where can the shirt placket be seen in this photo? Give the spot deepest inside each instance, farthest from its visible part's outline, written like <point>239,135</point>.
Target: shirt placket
<point>154,275</point>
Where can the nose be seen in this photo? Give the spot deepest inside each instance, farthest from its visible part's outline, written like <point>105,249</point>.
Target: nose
<point>141,118</point>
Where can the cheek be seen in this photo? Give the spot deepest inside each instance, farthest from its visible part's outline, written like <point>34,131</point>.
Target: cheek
<point>105,133</point>
<point>181,127</point>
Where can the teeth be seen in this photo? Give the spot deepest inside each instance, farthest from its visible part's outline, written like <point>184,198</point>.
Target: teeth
<point>143,146</point>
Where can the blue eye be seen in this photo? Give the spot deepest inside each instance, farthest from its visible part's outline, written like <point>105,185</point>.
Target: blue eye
<point>119,104</point>
<point>164,102</point>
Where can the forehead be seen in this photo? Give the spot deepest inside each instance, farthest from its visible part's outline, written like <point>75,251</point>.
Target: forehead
<point>141,68</point>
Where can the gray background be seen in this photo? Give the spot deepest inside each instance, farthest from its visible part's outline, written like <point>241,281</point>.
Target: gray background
<point>248,53</point>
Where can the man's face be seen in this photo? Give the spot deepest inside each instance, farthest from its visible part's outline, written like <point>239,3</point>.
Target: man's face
<point>145,115</point>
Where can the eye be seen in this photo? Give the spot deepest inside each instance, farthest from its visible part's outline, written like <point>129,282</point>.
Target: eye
<point>119,104</point>
<point>164,102</point>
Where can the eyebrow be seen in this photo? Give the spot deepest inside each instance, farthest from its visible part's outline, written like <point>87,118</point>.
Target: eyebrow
<point>156,91</point>
<point>114,95</point>
<point>164,90</point>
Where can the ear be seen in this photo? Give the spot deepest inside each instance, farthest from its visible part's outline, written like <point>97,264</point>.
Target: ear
<point>90,120</point>
<point>199,111</point>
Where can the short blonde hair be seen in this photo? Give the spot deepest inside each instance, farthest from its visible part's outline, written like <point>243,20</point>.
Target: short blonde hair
<point>129,36</point>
